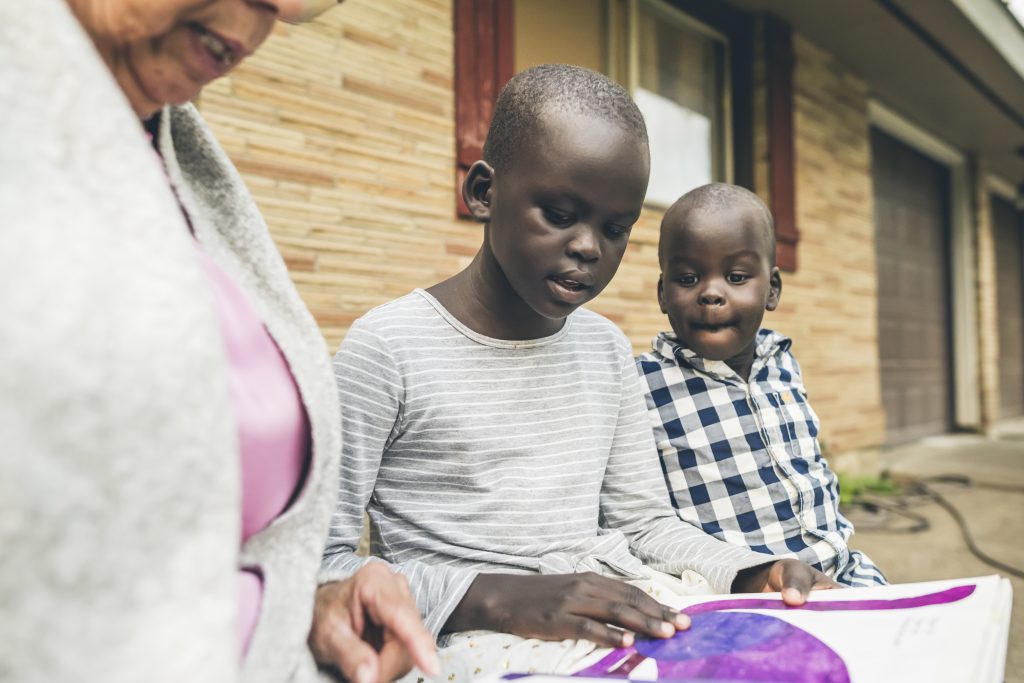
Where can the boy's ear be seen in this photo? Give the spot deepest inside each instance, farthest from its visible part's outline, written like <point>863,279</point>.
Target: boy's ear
<point>661,293</point>
<point>774,289</point>
<point>477,190</point>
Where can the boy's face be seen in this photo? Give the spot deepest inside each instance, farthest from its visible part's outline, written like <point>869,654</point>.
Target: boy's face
<point>718,280</point>
<point>559,216</point>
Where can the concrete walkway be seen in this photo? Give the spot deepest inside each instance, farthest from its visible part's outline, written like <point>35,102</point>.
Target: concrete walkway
<point>995,517</point>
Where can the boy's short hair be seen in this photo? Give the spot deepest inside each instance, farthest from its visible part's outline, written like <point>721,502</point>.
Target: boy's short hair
<point>555,87</point>
<point>715,197</point>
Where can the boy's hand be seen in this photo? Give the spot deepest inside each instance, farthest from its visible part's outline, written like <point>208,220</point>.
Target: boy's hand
<point>368,627</point>
<point>793,578</point>
<point>588,606</point>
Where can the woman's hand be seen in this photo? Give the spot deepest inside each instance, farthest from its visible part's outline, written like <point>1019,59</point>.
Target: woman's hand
<point>368,627</point>
<point>589,606</point>
<point>793,578</point>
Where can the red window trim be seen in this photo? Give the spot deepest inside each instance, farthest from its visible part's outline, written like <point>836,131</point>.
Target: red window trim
<point>779,62</point>
<point>484,56</point>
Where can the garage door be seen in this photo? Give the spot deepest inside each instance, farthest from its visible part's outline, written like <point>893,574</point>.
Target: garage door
<point>1010,291</point>
<point>911,241</point>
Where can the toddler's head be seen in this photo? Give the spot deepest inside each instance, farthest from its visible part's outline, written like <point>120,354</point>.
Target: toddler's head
<point>718,273</point>
<point>562,180</point>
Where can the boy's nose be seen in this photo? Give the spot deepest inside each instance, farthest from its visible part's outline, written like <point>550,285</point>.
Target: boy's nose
<point>585,245</point>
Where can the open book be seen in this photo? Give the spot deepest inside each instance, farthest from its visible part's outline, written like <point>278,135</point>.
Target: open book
<point>954,631</point>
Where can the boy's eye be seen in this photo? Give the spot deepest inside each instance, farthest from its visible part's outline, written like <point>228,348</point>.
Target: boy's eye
<point>616,232</point>
<point>687,280</point>
<point>556,217</point>
<point>736,278</point>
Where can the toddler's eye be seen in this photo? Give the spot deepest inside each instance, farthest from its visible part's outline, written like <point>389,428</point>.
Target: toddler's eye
<point>688,280</point>
<point>736,278</point>
<point>556,217</point>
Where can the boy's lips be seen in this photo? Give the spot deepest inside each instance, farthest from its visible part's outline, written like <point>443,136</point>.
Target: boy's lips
<point>573,280</point>
<point>572,287</point>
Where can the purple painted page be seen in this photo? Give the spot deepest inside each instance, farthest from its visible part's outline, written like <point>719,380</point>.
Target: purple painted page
<point>937,631</point>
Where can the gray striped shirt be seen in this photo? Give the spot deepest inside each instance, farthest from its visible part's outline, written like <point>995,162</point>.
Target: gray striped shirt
<point>474,454</point>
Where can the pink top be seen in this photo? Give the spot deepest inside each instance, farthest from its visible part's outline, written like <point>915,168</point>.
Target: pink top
<point>273,428</point>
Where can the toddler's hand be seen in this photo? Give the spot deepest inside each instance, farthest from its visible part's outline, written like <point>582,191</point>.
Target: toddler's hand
<point>588,606</point>
<point>793,578</point>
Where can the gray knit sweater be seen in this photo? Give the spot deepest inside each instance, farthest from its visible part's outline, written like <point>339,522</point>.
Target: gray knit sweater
<point>119,465</point>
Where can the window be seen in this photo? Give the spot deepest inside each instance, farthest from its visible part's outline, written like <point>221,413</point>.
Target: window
<point>678,71</point>
<point>688,63</point>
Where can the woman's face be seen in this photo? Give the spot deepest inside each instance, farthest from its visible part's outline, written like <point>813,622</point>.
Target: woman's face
<point>164,51</point>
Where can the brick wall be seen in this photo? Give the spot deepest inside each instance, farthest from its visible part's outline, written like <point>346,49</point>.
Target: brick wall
<point>829,304</point>
<point>834,305</point>
<point>988,303</point>
<point>343,130</point>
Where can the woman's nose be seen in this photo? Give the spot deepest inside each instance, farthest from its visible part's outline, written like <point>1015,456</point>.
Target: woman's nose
<point>300,10</point>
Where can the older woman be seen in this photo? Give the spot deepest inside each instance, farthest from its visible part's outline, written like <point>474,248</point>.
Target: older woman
<point>168,416</point>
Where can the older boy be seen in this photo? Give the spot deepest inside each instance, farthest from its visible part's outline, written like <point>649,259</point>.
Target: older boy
<point>730,414</point>
<point>496,434</point>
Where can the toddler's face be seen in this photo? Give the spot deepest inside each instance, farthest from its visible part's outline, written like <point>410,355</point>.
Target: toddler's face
<point>717,280</point>
<point>561,214</point>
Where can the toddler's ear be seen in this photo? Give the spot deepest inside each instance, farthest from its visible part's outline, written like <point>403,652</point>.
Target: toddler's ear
<point>661,293</point>
<point>774,289</point>
<point>477,189</point>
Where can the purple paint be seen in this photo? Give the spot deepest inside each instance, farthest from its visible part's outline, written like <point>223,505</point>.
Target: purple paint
<point>949,595</point>
<point>605,667</point>
<point>747,646</point>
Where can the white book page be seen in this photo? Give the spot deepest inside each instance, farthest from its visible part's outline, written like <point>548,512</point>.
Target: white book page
<point>955,631</point>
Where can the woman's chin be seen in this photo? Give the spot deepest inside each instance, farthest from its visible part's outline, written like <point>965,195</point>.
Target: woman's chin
<point>150,84</point>
<point>147,102</point>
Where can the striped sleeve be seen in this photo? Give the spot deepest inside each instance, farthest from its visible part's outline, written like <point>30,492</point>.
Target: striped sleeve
<point>635,500</point>
<point>860,572</point>
<point>371,394</point>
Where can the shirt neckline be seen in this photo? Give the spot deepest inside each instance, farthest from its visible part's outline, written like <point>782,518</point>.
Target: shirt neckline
<point>493,341</point>
<point>769,343</point>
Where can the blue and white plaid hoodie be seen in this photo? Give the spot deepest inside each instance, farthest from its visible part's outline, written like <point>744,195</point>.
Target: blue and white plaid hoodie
<point>741,458</point>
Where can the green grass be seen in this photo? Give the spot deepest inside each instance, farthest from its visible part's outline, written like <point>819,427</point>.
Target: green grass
<point>851,488</point>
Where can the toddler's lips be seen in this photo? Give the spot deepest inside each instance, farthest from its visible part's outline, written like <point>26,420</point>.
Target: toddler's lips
<point>713,327</point>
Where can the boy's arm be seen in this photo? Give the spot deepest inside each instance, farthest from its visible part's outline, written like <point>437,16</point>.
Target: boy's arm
<point>635,500</point>
<point>370,389</point>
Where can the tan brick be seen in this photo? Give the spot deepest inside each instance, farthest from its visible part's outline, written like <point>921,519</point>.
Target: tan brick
<point>344,131</point>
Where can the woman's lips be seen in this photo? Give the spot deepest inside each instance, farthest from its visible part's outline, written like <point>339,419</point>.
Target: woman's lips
<point>216,54</point>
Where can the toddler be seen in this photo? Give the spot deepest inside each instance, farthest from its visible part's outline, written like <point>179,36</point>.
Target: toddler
<point>737,436</point>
